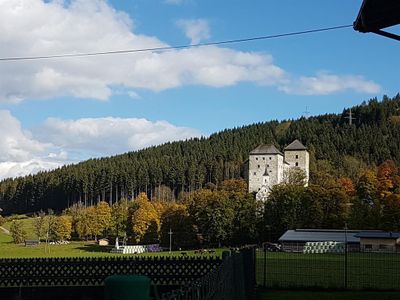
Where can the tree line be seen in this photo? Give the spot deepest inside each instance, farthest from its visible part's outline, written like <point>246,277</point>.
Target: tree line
<point>187,166</point>
<point>208,216</point>
<point>228,215</point>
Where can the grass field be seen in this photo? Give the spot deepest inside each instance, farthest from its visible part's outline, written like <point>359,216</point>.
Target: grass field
<point>364,270</point>
<point>76,248</point>
<point>88,249</point>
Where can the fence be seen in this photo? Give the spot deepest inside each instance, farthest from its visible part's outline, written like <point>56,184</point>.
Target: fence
<point>324,269</point>
<point>233,280</point>
<point>56,272</point>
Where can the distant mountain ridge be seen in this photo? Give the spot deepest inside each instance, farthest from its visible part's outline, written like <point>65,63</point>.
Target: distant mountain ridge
<point>188,165</point>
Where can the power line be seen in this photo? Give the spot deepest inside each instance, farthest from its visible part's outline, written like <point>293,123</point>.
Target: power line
<point>167,48</point>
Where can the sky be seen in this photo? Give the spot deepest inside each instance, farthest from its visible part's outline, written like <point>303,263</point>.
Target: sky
<point>65,110</point>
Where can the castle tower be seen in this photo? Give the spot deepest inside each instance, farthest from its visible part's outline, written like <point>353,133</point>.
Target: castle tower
<point>265,158</point>
<point>296,155</point>
<point>262,194</point>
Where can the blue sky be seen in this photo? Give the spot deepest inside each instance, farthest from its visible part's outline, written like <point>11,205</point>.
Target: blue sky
<point>65,110</point>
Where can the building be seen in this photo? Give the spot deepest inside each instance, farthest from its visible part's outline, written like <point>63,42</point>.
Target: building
<point>268,166</point>
<point>295,240</point>
<point>379,241</point>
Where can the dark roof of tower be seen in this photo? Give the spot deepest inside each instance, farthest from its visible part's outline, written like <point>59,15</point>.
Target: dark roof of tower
<point>296,145</point>
<point>266,149</point>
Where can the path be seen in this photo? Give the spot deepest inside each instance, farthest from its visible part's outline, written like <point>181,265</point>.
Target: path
<point>6,231</point>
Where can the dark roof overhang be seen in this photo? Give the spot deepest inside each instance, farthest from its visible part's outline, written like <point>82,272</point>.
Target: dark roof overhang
<point>374,15</point>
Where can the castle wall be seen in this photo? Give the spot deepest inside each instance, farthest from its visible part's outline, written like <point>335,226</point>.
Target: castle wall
<point>300,159</point>
<point>256,170</point>
<point>257,165</point>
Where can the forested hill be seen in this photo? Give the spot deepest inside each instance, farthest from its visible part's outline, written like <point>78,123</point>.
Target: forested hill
<point>334,145</point>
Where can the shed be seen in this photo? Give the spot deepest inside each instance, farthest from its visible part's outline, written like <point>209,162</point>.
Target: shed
<point>295,240</point>
<point>31,243</point>
<point>379,241</point>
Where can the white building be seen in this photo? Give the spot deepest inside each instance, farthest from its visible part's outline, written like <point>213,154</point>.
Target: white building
<point>267,166</point>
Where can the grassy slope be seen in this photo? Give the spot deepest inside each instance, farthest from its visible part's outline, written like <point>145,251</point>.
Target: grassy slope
<point>27,225</point>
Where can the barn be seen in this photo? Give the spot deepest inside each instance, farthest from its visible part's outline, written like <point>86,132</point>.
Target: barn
<point>295,240</point>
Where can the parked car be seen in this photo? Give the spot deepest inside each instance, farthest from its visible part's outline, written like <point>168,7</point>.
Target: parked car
<point>272,247</point>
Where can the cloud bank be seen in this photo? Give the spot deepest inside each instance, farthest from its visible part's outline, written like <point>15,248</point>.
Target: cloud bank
<point>57,142</point>
<point>35,28</point>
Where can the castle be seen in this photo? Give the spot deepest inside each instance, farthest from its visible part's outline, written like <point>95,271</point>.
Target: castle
<point>268,166</point>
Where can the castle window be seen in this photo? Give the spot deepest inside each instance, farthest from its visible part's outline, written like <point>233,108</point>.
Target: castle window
<point>267,166</point>
<point>255,173</point>
<point>258,166</point>
<point>297,164</point>
<point>256,158</point>
<point>263,158</point>
<point>270,171</point>
<point>297,157</point>
<point>270,158</point>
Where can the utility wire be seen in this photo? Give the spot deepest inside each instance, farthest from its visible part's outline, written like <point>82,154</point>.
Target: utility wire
<point>167,48</point>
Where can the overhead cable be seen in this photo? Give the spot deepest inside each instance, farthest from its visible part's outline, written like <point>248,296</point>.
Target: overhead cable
<point>168,48</point>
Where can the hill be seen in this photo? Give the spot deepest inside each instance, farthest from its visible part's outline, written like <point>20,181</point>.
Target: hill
<point>164,171</point>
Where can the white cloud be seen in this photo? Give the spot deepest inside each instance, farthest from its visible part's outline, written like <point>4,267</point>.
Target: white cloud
<point>57,142</point>
<point>324,84</point>
<point>16,144</point>
<point>21,153</point>
<point>108,136</point>
<point>196,30</point>
<point>35,28</point>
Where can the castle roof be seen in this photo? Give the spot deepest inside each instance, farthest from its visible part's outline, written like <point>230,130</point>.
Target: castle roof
<point>295,145</point>
<point>266,149</point>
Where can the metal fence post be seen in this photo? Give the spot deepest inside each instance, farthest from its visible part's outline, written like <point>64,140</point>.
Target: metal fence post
<point>345,256</point>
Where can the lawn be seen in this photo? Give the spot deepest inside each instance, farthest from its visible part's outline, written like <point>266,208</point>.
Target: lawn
<point>364,270</point>
<point>77,248</point>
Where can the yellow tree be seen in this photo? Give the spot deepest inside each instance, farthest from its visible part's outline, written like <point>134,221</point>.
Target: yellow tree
<point>103,215</point>
<point>63,227</point>
<point>145,221</point>
<point>119,217</point>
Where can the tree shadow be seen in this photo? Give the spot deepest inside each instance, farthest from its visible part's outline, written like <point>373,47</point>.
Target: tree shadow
<point>95,248</point>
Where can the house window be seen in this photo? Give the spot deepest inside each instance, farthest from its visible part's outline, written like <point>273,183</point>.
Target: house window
<point>297,157</point>
<point>297,164</point>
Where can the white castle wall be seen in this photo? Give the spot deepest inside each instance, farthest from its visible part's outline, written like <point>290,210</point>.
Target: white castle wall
<point>302,158</point>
